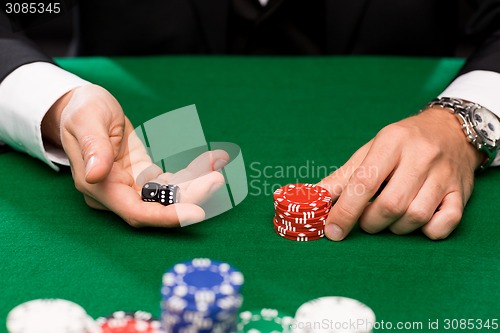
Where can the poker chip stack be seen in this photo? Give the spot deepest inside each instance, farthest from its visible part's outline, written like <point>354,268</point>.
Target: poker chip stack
<point>50,316</point>
<point>201,295</point>
<point>336,314</point>
<point>264,321</point>
<point>301,211</point>
<point>129,322</point>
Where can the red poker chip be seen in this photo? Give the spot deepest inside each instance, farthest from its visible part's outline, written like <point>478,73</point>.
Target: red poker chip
<point>310,233</point>
<point>302,197</point>
<point>312,211</point>
<point>129,322</point>
<point>300,239</point>
<point>301,220</point>
<point>302,227</point>
<point>294,231</point>
<point>309,214</point>
<point>297,231</point>
<point>288,225</point>
<point>298,234</point>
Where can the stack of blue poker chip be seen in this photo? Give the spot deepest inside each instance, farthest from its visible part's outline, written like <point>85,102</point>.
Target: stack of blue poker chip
<point>201,296</point>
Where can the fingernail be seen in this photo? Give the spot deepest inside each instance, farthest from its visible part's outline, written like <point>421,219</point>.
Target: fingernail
<point>334,232</point>
<point>219,164</point>
<point>90,165</point>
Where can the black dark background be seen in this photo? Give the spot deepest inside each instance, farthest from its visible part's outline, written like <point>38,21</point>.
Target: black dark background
<point>54,36</point>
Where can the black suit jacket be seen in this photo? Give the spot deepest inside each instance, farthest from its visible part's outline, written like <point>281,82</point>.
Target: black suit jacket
<point>393,27</point>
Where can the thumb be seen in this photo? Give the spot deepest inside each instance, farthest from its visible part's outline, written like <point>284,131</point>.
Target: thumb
<point>89,121</point>
<point>98,157</point>
<point>91,152</point>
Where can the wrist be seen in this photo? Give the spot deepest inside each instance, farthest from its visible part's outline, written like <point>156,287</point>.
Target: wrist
<point>450,122</point>
<point>51,122</point>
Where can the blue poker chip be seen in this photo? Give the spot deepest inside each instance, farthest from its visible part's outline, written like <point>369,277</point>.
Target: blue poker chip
<point>219,323</point>
<point>190,316</point>
<point>202,280</point>
<point>173,325</point>
<point>201,295</point>
<point>193,317</point>
<point>178,304</point>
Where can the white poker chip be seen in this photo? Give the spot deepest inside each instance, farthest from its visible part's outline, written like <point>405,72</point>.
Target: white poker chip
<point>334,314</point>
<point>50,316</point>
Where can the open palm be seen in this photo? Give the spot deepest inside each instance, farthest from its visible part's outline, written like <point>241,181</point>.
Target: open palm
<point>110,164</point>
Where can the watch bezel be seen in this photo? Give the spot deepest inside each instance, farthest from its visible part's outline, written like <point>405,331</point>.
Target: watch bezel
<point>486,140</point>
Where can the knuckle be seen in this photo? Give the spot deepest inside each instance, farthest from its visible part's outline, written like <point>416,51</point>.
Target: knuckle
<point>453,217</point>
<point>432,150</point>
<point>395,130</point>
<point>392,207</point>
<point>369,228</point>
<point>80,185</point>
<point>397,231</point>
<point>436,234</point>
<point>90,202</point>
<point>418,216</point>
<point>133,222</point>
<point>364,179</point>
<point>449,224</point>
<point>87,144</point>
<point>345,214</point>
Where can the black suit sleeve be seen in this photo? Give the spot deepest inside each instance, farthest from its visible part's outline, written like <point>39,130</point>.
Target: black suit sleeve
<point>485,26</point>
<point>16,51</point>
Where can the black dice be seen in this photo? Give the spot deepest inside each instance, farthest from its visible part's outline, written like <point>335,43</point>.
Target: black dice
<point>164,194</point>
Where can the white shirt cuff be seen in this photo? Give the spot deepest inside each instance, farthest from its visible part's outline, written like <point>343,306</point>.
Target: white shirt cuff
<point>26,95</point>
<point>481,87</point>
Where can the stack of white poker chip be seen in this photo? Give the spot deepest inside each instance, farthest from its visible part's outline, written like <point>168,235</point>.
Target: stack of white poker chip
<point>50,316</point>
<point>334,314</point>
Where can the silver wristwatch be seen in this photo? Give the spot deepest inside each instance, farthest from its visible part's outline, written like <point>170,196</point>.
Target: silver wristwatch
<point>480,125</point>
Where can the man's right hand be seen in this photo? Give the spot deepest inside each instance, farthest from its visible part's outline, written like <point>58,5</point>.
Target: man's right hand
<point>106,156</point>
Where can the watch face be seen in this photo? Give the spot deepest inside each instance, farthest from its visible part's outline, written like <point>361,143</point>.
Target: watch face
<point>487,125</point>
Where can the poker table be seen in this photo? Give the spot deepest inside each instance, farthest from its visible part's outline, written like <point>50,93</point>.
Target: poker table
<point>293,118</point>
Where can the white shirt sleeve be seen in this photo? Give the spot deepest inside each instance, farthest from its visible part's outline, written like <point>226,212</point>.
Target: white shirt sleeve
<point>26,95</point>
<point>481,87</point>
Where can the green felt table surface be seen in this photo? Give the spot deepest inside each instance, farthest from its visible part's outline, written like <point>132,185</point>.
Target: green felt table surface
<point>284,113</point>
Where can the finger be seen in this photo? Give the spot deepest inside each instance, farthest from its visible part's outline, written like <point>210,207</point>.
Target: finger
<point>92,203</point>
<point>378,164</point>
<point>421,209</point>
<point>127,203</point>
<point>200,166</point>
<point>148,174</point>
<point>209,161</point>
<point>198,190</point>
<point>336,181</point>
<point>447,217</point>
<point>137,158</point>
<point>165,178</point>
<point>393,201</point>
<point>202,188</point>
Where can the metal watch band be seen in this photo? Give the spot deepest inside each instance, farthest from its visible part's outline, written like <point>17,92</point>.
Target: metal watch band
<point>454,104</point>
<point>463,109</point>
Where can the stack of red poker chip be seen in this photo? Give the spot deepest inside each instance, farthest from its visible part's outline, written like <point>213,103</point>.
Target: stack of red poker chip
<point>301,211</point>
<point>129,322</point>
